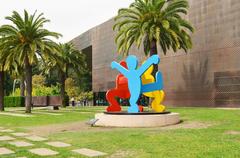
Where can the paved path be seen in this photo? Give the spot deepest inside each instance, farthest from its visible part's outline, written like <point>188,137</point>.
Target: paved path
<point>47,113</point>
<point>15,114</point>
<point>17,140</point>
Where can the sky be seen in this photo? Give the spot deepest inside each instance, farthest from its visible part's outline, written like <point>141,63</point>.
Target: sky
<point>68,17</point>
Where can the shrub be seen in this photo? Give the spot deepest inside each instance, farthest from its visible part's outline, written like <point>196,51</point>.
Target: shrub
<point>17,92</point>
<point>17,101</point>
<point>46,91</point>
<point>40,91</point>
<point>85,95</point>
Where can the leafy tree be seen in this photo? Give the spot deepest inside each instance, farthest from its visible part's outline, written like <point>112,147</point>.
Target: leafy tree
<point>84,82</point>
<point>90,95</point>
<point>153,22</point>
<point>70,87</point>
<point>25,40</point>
<point>69,83</point>
<point>68,57</point>
<point>38,81</point>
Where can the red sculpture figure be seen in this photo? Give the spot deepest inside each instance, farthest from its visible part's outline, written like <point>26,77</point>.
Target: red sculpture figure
<point>120,91</point>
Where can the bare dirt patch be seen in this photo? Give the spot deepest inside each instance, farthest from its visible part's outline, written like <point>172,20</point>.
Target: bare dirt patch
<point>58,128</point>
<point>233,132</point>
<point>83,127</point>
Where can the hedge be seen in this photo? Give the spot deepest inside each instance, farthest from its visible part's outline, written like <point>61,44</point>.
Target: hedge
<point>10,101</point>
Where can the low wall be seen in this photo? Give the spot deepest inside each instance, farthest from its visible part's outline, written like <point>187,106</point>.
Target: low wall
<point>43,101</point>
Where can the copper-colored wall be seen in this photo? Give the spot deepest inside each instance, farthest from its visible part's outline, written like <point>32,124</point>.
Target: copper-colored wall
<point>216,49</point>
<point>188,78</point>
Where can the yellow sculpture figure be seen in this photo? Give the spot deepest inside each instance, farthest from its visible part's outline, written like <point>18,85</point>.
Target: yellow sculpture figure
<point>157,95</point>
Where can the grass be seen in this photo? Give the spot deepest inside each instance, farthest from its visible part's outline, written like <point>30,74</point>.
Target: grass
<point>67,115</point>
<point>210,142</point>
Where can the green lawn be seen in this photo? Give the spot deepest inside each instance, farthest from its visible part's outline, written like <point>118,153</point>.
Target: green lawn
<point>210,140</point>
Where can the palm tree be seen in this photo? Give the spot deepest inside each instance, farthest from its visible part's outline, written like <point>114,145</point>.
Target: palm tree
<point>153,22</point>
<point>25,41</point>
<point>2,65</point>
<point>2,87</point>
<point>68,58</point>
<point>12,70</point>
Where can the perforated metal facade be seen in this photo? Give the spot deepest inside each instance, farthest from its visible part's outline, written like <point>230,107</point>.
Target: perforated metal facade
<point>188,78</point>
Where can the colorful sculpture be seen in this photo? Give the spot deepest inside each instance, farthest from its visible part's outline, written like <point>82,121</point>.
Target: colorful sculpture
<point>134,78</point>
<point>157,95</point>
<point>120,91</point>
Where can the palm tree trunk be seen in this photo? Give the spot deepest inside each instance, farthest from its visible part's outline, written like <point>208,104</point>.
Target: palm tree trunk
<point>28,73</point>
<point>1,90</point>
<point>63,78</point>
<point>22,86</point>
<point>153,51</point>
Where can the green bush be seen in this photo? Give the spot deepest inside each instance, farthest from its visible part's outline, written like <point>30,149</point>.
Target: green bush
<point>40,91</point>
<point>17,101</point>
<point>46,91</point>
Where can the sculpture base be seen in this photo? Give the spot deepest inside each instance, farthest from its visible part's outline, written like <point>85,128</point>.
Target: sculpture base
<point>142,119</point>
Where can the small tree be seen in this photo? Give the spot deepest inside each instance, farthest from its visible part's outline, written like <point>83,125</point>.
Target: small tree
<point>90,95</point>
<point>70,87</point>
<point>38,81</point>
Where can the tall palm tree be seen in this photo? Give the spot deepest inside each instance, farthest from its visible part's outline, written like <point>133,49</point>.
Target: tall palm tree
<point>12,70</point>
<point>2,65</point>
<point>153,22</point>
<point>68,58</point>
<point>26,40</point>
<point>2,87</point>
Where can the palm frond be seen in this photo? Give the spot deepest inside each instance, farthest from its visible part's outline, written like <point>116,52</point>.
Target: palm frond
<point>153,20</point>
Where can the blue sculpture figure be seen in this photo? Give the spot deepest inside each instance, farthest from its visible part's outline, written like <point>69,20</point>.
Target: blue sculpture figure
<point>158,85</point>
<point>134,77</point>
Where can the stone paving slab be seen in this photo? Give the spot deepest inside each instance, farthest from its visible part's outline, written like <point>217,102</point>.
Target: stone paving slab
<point>58,144</point>
<point>89,152</point>
<point>43,152</point>
<point>20,134</point>
<point>35,138</point>
<point>5,151</point>
<point>6,130</point>
<point>15,114</point>
<point>20,143</point>
<point>6,138</point>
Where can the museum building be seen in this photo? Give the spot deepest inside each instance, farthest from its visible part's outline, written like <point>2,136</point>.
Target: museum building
<point>208,75</point>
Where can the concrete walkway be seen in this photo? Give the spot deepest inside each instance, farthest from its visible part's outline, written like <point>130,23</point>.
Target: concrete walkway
<point>18,142</point>
<point>15,114</point>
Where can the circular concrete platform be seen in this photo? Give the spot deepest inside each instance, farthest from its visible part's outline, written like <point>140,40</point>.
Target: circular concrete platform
<point>136,119</point>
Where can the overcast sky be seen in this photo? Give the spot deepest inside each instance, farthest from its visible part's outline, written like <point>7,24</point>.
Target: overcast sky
<point>68,17</point>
